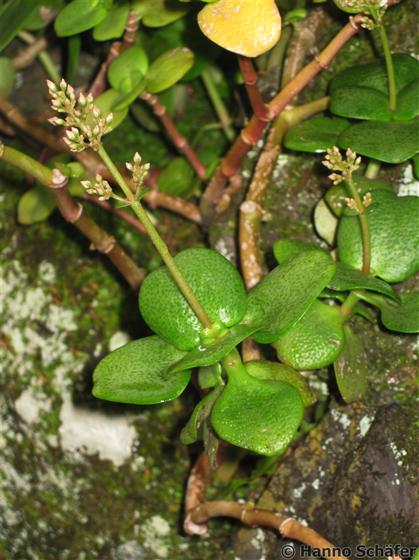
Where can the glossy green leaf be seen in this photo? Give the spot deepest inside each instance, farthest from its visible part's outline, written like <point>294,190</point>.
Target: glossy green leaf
<point>12,17</point>
<point>137,373</point>
<point>169,68</point>
<point>336,195</point>
<point>35,205</point>
<point>408,102</point>
<point>325,222</point>
<point>360,102</point>
<point>391,142</point>
<point>403,317</point>
<point>191,432</point>
<point>347,278</point>
<point>113,26</point>
<point>128,69</point>
<point>262,369</point>
<point>285,248</point>
<point>176,178</point>
<point>106,103</point>
<point>361,92</point>
<point>351,368</point>
<point>259,415</point>
<point>415,163</point>
<point>285,294</point>
<point>7,76</point>
<point>156,13</point>
<point>315,134</point>
<point>394,233</point>
<point>213,353</point>
<point>80,15</point>
<point>315,341</point>
<point>214,281</point>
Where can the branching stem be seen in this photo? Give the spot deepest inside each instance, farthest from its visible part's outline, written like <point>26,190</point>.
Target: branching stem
<point>73,212</point>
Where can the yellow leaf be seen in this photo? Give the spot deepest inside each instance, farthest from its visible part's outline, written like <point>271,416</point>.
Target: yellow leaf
<point>245,27</point>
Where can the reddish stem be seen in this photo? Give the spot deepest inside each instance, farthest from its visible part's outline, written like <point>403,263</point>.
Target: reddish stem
<point>253,517</point>
<point>250,77</point>
<point>255,128</point>
<point>178,140</point>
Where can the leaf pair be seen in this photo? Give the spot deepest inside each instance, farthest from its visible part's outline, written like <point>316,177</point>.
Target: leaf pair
<point>361,92</point>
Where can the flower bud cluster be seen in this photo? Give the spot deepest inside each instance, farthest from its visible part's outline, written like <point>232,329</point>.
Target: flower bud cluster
<point>100,187</point>
<point>85,119</point>
<point>139,172</point>
<point>342,167</point>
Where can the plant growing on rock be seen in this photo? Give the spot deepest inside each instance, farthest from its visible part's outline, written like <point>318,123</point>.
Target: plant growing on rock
<point>198,304</point>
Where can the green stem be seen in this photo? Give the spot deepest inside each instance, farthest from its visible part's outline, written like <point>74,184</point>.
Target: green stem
<point>218,104</point>
<point>365,233</point>
<point>26,164</point>
<point>233,364</point>
<point>158,242</point>
<point>392,94</point>
<point>350,302</point>
<point>372,169</point>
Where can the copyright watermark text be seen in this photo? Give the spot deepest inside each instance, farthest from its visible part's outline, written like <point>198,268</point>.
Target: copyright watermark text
<point>378,552</point>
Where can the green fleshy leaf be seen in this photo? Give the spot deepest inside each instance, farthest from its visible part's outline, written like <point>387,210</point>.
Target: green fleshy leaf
<point>191,432</point>
<point>285,248</point>
<point>394,237</point>
<point>262,369</point>
<point>259,415</point>
<point>391,142</point>
<point>315,341</point>
<point>113,26</point>
<point>137,373</point>
<point>7,76</point>
<point>415,163</point>
<point>325,222</point>
<point>176,178</point>
<point>81,15</point>
<point>35,205</point>
<point>336,195</point>
<point>316,134</point>
<point>361,92</point>
<point>351,368</point>
<point>169,68</point>
<point>12,16</point>
<point>407,102</point>
<point>157,13</point>
<point>402,318</point>
<point>284,295</point>
<point>347,278</point>
<point>216,284</point>
<point>213,353</point>
<point>128,69</point>
<point>360,102</point>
